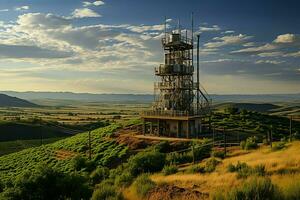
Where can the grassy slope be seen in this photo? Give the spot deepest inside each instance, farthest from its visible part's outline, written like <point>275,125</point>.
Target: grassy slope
<point>27,130</point>
<point>287,159</point>
<point>18,145</point>
<point>105,152</point>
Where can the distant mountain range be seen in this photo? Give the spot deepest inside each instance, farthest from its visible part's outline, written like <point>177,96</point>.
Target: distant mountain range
<point>146,98</point>
<point>8,101</point>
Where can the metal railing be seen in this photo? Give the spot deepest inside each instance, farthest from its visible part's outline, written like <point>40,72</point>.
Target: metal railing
<point>176,38</point>
<point>174,69</point>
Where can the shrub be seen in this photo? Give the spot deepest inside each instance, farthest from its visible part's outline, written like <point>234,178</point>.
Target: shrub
<point>231,168</point>
<point>256,188</point>
<point>179,158</point>
<point>99,174</point>
<point>125,179</point>
<point>163,147</point>
<point>46,183</point>
<point>146,162</point>
<point>143,184</point>
<point>218,154</point>
<point>195,169</point>
<point>292,191</point>
<point>106,192</point>
<point>170,169</point>
<point>82,163</point>
<point>243,170</point>
<point>211,164</point>
<point>250,143</point>
<point>278,146</point>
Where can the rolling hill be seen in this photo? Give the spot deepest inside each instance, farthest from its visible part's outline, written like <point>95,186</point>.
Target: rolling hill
<point>8,101</point>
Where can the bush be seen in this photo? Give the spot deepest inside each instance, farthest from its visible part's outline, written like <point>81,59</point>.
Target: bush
<point>256,188</point>
<point>82,163</point>
<point>125,179</point>
<point>163,147</point>
<point>218,154</point>
<point>243,170</point>
<point>143,184</point>
<point>46,183</point>
<point>250,143</point>
<point>195,169</point>
<point>146,162</point>
<point>211,164</point>
<point>278,146</point>
<point>170,169</point>
<point>99,174</point>
<point>292,191</point>
<point>179,158</point>
<point>106,192</point>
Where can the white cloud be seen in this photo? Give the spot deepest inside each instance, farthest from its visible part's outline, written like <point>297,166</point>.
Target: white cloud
<point>263,48</point>
<point>287,38</point>
<point>209,29</point>
<point>4,10</point>
<point>95,3</point>
<point>228,32</point>
<point>227,40</point>
<point>21,8</point>
<point>84,12</point>
<point>293,54</point>
<point>271,54</point>
<point>274,62</point>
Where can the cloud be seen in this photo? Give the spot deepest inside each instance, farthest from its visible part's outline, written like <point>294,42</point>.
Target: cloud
<point>23,51</point>
<point>44,21</point>
<point>293,54</point>
<point>95,3</point>
<point>169,20</point>
<point>263,48</point>
<point>227,40</point>
<point>84,12</point>
<point>209,29</point>
<point>271,54</point>
<point>4,10</point>
<point>287,39</point>
<point>228,32</point>
<point>268,62</point>
<point>22,8</point>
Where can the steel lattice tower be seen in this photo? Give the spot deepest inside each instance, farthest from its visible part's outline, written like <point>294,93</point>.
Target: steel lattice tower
<point>179,101</point>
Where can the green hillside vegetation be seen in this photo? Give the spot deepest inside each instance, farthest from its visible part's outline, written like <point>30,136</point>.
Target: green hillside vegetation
<point>18,145</point>
<point>113,166</point>
<point>254,123</point>
<point>8,101</point>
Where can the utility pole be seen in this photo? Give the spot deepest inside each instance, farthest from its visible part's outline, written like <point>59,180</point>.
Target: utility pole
<point>291,118</point>
<point>225,141</point>
<point>193,152</point>
<point>271,136</point>
<point>213,130</point>
<point>90,151</point>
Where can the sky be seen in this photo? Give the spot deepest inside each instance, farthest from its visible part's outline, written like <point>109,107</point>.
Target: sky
<point>112,46</point>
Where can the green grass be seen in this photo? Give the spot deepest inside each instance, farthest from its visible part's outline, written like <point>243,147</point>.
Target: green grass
<point>105,152</point>
<point>18,145</point>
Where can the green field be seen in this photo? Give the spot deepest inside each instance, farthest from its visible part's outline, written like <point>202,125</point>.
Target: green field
<point>18,145</point>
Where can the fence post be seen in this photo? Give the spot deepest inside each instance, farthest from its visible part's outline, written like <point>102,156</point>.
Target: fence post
<point>90,151</point>
<point>193,153</point>
<point>224,132</point>
<point>291,118</point>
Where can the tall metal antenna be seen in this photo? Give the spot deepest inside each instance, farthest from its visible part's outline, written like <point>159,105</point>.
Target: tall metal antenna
<point>198,81</point>
<point>179,31</point>
<point>192,16</point>
<point>165,26</point>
